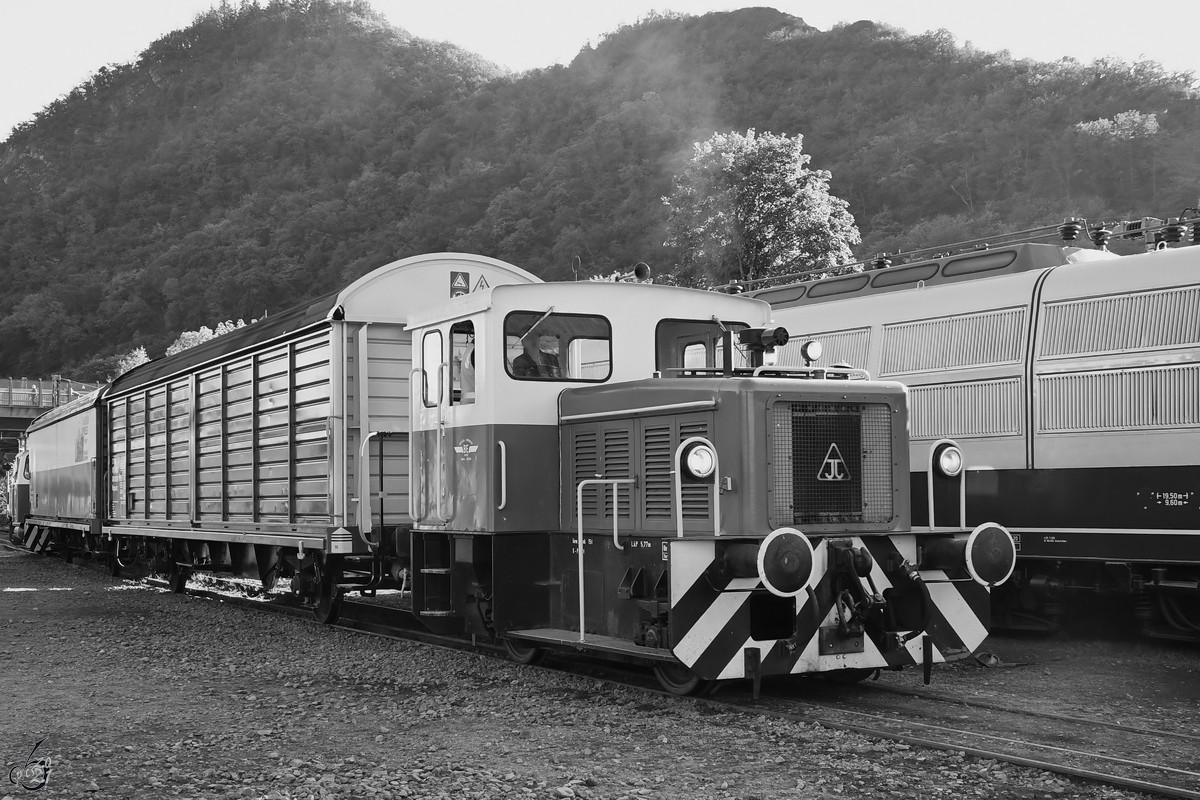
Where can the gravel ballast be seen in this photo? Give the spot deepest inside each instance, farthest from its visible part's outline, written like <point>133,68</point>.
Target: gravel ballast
<point>139,693</point>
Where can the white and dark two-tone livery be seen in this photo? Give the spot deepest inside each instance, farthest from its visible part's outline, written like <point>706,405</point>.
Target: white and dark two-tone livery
<point>606,467</point>
<point>1069,379</point>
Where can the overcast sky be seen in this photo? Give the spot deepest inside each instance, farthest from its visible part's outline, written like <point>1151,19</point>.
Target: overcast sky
<point>47,47</point>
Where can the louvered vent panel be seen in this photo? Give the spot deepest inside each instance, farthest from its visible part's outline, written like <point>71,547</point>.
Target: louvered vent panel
<point>986,408</point>
<point>696,497</point>
<point>1159,397</point>
<point>847,347</point>
<point>656,467</point>
<point>1127,322</point>
<point>831,463</point>
<point>616,465</point>
<point>972,340</point>
<point>587,465</point>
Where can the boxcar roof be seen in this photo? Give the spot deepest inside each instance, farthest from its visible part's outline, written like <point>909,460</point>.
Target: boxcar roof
<point>81,403</point>
<point>424,281</point>
<point>272,327</point>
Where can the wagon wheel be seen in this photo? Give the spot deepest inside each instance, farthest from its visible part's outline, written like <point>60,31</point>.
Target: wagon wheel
<point>523,653</point>
<point>177,578</point>
<point>329,595</point>
<point>680,680</point>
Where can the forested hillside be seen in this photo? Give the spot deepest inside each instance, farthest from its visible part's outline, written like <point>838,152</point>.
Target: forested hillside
<point>265,155</point>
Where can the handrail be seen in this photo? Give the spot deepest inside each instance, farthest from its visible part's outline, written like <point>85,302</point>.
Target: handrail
<point>678,485</point>
<point>364,491</point>
<point>503,475</point>
<point>579,534</point>
<point>414,397</point>
<point>962,487</point>
<point>443,515</point>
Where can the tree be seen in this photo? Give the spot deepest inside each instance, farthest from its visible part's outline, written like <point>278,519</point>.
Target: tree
<point>749,207</point>
<point>134,358</point>
<point>189,339</point>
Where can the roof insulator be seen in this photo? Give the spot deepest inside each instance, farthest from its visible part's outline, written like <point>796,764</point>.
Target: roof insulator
<point>1196,232</point>
<point>1100,236</point>
<point>1069,230</point>
<point>881,261</point>
<point>1173,231</point>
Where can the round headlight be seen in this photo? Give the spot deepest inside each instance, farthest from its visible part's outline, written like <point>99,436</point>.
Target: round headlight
<point>950,461</point>
<point>700,461</point>
<point>811,350</point>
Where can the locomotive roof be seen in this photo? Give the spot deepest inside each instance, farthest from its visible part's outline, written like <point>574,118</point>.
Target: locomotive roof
<point>596,297</point>
<point>946,269</point>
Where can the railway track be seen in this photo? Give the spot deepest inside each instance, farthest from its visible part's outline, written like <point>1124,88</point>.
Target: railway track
<point>1155,762</point>
<point>1158,763</point>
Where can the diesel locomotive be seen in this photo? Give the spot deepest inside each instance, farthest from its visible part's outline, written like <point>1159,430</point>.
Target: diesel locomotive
<point>615,468</point>
<point>1068,377</point>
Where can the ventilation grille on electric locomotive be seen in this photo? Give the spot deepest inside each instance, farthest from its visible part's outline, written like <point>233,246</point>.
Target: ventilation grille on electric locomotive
<point>831,463</point>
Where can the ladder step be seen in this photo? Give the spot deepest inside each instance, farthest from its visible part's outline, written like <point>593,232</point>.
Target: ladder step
<point>430,613</point>
<point>435,570</point>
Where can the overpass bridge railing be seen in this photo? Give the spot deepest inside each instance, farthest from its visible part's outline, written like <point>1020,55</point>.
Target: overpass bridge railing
<point>39,393</point>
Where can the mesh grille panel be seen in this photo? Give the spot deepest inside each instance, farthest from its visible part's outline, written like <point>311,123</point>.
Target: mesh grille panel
<point>831,463</point>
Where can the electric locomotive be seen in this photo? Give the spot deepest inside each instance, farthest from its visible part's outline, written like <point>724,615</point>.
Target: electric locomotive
<point>1068,377</point>
<point>613,468</point>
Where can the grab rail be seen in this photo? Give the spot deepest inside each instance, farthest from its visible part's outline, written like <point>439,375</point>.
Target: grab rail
<point>503,475</point>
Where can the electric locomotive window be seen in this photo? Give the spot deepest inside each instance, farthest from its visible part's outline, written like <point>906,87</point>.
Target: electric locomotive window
<point>26,470</point>
<point>687,344</point>
<point>431,368</point>
<point>462,362</point>
<point>542,346</point>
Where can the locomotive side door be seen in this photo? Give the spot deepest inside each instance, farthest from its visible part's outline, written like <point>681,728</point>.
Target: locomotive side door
<point>451,447</point>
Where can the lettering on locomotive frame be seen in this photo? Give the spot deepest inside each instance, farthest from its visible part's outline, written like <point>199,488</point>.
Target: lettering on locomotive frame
<point>1173,498</point>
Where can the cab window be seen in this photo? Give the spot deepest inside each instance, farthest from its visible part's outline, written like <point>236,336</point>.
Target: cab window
<point>462,355</point>
<point>543,346</point>
<point>683,345</point>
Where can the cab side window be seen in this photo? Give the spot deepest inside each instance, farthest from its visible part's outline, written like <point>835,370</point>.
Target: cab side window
<point>431,368</point>
<point>683,345</point>
<point>462,350</point>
